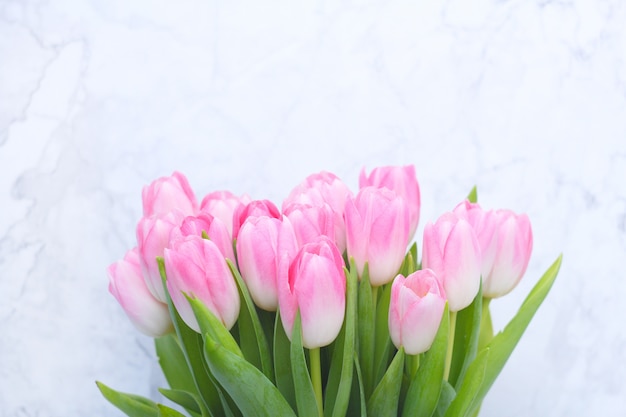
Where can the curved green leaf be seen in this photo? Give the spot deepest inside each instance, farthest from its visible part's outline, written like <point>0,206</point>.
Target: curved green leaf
<point>384,400</point>
<point>165,411</point>
<point>366,327</point>
<point>254,394</point>
<point>305,395</point>
<point>132,405</point>
<point>466,338</point>
<point>188,400</point>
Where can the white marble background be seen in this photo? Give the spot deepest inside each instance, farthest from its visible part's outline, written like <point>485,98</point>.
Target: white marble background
<point>526,99</point>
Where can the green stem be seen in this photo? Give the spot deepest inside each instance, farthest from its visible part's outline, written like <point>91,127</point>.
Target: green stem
<point>486,326</point>
<point>316,378</point>
<point>446,373</point>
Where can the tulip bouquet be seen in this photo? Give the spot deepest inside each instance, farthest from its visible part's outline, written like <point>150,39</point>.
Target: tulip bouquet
<point>322,307</point>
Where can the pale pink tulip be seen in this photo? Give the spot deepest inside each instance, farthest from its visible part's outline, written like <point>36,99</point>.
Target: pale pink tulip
<point>314,284</point>
<point>196,267</point>
<point>214,228</point>
<point>309,222</point>
<point>403,181</point>
<point>223,204</point>
<point>126,283</point>
<point>514,243</point>
<point>377,231</point>
<point>261,243</point>
<point>452,251</point>
<point>167,194</point>
<point>153,236</point>
<point>254,208</point>
<point>415,310</point>
<point>320,189</point>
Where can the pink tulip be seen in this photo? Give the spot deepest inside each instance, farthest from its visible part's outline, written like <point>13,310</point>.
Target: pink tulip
<point>253,209</point>
<point>403,181</point>
<point>313,283</point>
<point>310,222</point>
<point>261,244</point>
<point>126,283</point>
<point>377,231</point>
<point>514,243</point>
<point>213,227</point>
<point>223,204</point>
<point>196,267</point>
<point>168,194</point>
<point>320,189</point>
<point>415,310</point>
<point>153,236</point>
<point>452,251</point>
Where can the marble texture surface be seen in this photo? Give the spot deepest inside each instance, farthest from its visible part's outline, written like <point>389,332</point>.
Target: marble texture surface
<point>526,99</point>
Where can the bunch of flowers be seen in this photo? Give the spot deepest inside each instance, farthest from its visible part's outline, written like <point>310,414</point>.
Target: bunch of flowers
<point>322,307</point>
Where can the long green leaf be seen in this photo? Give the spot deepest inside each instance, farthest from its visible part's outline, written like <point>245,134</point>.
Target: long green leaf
<point>466,339</point>
<point>382,341</point>
<point>447,395</point>
<point>188,400</point>
<point>165,411</point>
<point>384,400</point>
<point>282,364</point>
<point>132,405</point>
<point>366,327</point>
<point>425,388</point>
<point>211,325</point>
<point>173,363</point>
<point>305,395</point>
<point>254,394</point>
<point>342,364</point>
<point>490,360</point>
<point>252,337</point>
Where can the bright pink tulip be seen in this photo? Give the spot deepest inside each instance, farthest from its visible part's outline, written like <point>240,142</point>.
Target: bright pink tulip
<point>377,231</point>
<point>153,236</point>
<point>514,243</point>
<point>261,244</point>
<point>223,204</point>
<point>310,222</point>
<point>313,283</point>
<point>403,181</point>
<point>196,267</point>
<point>148,315</point>
<point>320,189</point>
<point>253,209</point>
<point>168,194</point>
<point>452,251</point>
<point>415,310</point>
<point>213,227</point>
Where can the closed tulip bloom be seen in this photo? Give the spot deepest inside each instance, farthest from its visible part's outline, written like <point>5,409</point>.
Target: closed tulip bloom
<point>452,251</point>
<point>153,236</point>
<point>377,231</point>
<point>313,283</point>
<point>213,227</point>
<point>196,267</point>
<point>318,190</point>
<point>403,181</point>
<point>309,222</point>
<point>415,310</point>
<point>484,224</point>
<point>253,209</point>
<point>126,284</point>
<point>167,194</point>
<point>514,243</point>
<point>261,243</point>
<point>223,204</point>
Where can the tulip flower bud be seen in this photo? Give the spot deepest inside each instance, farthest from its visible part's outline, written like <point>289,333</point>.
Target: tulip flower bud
<point>403,181</point>
<point>309,222</point>
<point>197,268</point>
<point>213,227</point>
<point>377,231</point>
<point>223,204</point>
<point>167,194</point>
<point>452,251</point>
<point>313,283</point>
<point>261,244</point>
<point>126,284</point>
<point>253,209</point>
<point>514,243</point>
<point>320,189</point>
<point>415,310</point>
<point>153,236</point>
